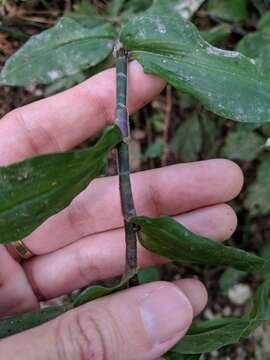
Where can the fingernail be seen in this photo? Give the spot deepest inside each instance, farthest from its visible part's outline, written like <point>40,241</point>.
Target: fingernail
<point>165,313</point>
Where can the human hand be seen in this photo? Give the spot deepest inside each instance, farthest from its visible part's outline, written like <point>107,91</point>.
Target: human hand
<point>85,242</point>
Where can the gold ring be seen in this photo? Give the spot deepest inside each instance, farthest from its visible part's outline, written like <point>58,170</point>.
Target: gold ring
<point>22,250</point>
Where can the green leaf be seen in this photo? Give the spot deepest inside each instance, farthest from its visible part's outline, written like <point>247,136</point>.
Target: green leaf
<point>253,44</point>
<point>213,338</point>
<point>168,238</point>
<point>226,82</point>
<point>69,81</point>
<point>187,141</point>
<point>19,323</point>
<point>94,292</point>
<point>33,190</point>
<point>231,10</point>
<point>216,34</point>
<point>229,278</point>
<point>211,335</point>
<point>242,144</point>
<point>257,44</point>
<point>63,50</point>
<point>65,83</point>
<point>257,201</point>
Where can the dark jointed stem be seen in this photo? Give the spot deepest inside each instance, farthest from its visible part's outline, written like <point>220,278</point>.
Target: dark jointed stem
<point>127,203</point>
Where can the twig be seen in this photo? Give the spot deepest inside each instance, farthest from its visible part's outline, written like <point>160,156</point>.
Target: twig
<point>127,203</point>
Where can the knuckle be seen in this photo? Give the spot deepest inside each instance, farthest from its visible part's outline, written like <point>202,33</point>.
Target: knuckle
<point>86,269</point>
<point>81,336</point>
<point>36,138</point>
<point>79,216</point>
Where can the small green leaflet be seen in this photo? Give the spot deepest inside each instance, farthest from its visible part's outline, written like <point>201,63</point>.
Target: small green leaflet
<point>226,82</point>
<point>187,140</point>
<point>230,10</point>
<point>94,292</point>
<point>168,238</point>
<point>257,44</point>
<point>211,335</point>
<point>229,278</point>
<point>19,323</point>
<point>257,201</point>
<point>35,189</point>
<point>65,49</point>
<point>216,34</point>
<point>242,144</point>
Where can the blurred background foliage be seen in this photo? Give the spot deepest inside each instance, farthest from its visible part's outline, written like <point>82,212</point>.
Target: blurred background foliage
<point>176,128</point>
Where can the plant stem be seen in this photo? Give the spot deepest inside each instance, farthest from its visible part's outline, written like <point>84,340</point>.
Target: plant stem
<point>127,203</point>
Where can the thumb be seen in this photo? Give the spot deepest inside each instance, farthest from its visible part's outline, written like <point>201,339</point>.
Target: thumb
<point>139,323</point>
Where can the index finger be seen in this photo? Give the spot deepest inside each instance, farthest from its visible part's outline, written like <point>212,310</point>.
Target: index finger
<point>62,121</point>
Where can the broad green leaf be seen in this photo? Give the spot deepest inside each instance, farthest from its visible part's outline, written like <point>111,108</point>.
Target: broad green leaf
<point>69,81</point>
<point>94,292</point>
<point>226,82</point>
<point>168,238</point>
<point>253,44</point>
<point>65,83</point>
<point>212,339</point>
<point>211,335</point>
<point>216,34</point>
<point>16,324</point>
<point>231,10</point>
<point>187,140</point>
<point>242,144</point>
<point>229,278</point>
<point>257,44</point>
<point>63,50</point>
<point>33,190</point>
<point>257,201</point>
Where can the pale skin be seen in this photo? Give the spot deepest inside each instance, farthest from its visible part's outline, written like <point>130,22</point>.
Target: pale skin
<point>85,242</point>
